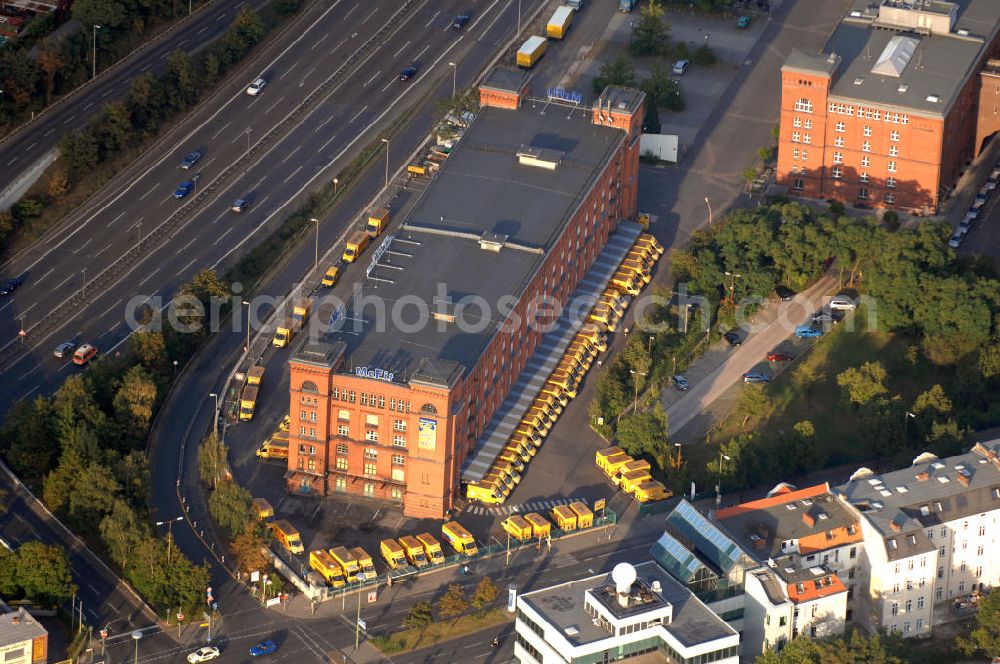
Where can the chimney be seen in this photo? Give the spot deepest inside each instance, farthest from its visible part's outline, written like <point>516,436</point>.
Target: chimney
<point>808,519</point>
<point>923,476</point>
<point>963,477</point>
<point>895,526</point>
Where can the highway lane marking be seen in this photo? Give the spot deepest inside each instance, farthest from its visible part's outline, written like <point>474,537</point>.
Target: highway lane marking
<point>278,101</point>
<point>88,105</point>
<point>422,52</point>
<point>107,92</point>
<point>108,310</point>
<point>202,30</point>
<point>49,131</point>
<point>185,268</point>
<point>319,41</point>
<point>259,182</point>
<point>365,84</point>
<point>221,237</point>
<point>328,142</point>
<point>293,174</point>
<point>356,115</point>
<point>220,17</point>
<point>110,329</point>
<point>482,16</point>
<point>291,153</point>
<point>6,305</point>
<point>38,281</point>
<point>184,41</point>
<point>339,44</point>
<point>29,393</point>
<point>65,281</point>
<point>68,120</point>
<point>402,48</point>
<point>303,81</point>
<point>216,134</point>
<point>151,275</point>
<point>165,55</point>
<point>207,163</point>
<point>65,366</point>
<point>119,216</point>
<point>93,589</point>
<point>28,149</point>
<point>433,18</point>
<point>392,81</point>
<point>25,312</point>
<point>351,10</point>
<point>192,241</point>
<point>12,161</point>
<point>365,20</point>
<point>144,68</point>
<point>102,250</point>
<point>29,372</point>
<point>325,122</point>
<point>151,190</point>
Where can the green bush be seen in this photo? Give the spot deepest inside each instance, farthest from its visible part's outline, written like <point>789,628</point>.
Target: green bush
<point>703,56</point>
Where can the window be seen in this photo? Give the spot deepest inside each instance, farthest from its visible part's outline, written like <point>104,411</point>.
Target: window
<point>894,135</point>
<point>863,177</point>
<point>866,161</point>
<point>962,568</point>
<point>920,624</point>
<point>867,130</point>
<point>961,587</point>
<point>302,431</point>
<point>343,430</point>
<point>866,146</point>
<point>341,463</point>
<point>341,448</point>
<point>344,415</point>
<point>838,141</point>
<point>920,602</point>
<point>838,157</point>
<point>795,153</point>
<point>371,453</point>
<point>397,494</point>
<point>364,398</point>
<point>979,550</point>
<point>399,425</point>
<point>369,489</point>
<point>312,433</point>
<point>340,484</point>
<point>807,123</point>
<point>892,167</point>
<point>371,420</point>
<point>312,416</point>
<point>891,184</point>
<point>940,593</point>
<point>909,605</point>
<point>805,155</point>
<point>944,531</point>
<point>804,105</point>
<point>399,441</point>
<point>398,474</point>
<point>979,571</point>
<point>841,127</point>
<point>398,459</point>
<point>807,138</point>
<point>302,415</point>
<point>893,150</point>
<point>796,137</point>
<point>797,184</point>
<point>371,435</point>
<point>370,469</point>
<point>906,627</point>
<point>837,172</point>
<point>940,571</point>
<point>796,122</point>
<point>895,608</point>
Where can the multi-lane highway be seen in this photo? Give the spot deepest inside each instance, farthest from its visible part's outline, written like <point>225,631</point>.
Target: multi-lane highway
<point>329,90</point>
<point>29,145</point>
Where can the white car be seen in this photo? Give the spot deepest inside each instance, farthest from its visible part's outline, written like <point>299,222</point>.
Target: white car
<point>254,88</point>
<point>203,654</point>
<point>956,241</point>
<point>681,66</point>
<point>842,303</point>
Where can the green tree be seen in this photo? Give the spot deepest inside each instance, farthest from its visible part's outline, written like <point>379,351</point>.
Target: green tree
<point>51,63</point>
<point>419,616</point>
<point>989,361</point>
<point>662,90</point>
<point>703,56</point>
<point>106,13</point>
<point>181,80</point>
<point>231,506</point>
<point>29,438</point>
<point>150,350</point>
<point>79,149</point>
<point>651,32</point>
<point>135,403</point>
<point>250,549</point>
<point>485,594</point>
<point>933,401</point>
<point>9,587</point>
<point>121,533</point>
<point>651,120</point>
<point>864,383</point>
<point>213,466</point>
<point>751,403</point>
<point>620,71</point>
<point>43,572</point>
<point>452,603</point>
<point>643,432</point>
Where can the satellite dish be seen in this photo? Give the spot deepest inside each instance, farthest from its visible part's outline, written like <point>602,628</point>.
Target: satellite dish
<point>624,576</point>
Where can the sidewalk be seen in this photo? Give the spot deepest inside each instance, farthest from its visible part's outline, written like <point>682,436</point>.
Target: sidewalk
<point>721,367</point>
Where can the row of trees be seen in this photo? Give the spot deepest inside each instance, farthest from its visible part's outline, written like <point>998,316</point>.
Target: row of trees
<point>852,648</point>
<point>452,604</point>
<point>84,446</point>
<point>36,571</point>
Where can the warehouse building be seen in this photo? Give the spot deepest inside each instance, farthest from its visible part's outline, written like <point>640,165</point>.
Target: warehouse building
<point>902,96</point>
<point>455,302</point>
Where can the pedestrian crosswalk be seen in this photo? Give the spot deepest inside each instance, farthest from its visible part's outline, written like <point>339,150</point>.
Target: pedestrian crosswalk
<point>534,506</point>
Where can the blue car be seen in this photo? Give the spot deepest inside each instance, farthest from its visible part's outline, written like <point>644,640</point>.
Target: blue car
<point>263,648</point>
<point>184,189</point>
<point>755,377</point>
<point>807,332</point>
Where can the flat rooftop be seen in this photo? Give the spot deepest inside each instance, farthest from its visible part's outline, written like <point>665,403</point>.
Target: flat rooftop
<point>912,69</point>
<point>901,504</point>
<point>479,232</point>
<point>563,606</point>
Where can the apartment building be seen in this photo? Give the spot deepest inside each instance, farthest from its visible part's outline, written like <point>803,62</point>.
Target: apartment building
<point>22,639</point>
<point>900,98</point>
<point>929,530</point>
<point>454,304</point>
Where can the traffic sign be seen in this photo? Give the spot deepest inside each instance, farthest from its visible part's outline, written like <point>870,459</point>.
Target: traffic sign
<point>599,505</point>
<point>215,606</point>
<point>372,596</point>
<point>208,591</point>
<point>104,633</point>
<point>362,624</point>
<point>180,616</point>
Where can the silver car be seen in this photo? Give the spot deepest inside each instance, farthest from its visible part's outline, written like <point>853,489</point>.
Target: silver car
<point>65,349</point>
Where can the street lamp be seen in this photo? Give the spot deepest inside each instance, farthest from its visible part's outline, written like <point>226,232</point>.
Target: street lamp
<point>732,286</point>
<point>336,182</point>
<point>94,52</point>
<point>316,259</point>
<point>249,129</point>
<point>906,421</point>
<point>718,487</point>
<point>454,78</point>
<point>649,346</point>
<point>175,369</point>
<point>635,398</point>
<point>136,635</point>
<point>138,242</point>
<point>83,290</point>
<point>216,416</point>
<point>709,211</point>
<point>386,141</point>
<point>170,525</point>
<point>247,305</point>
<point>357,624</point>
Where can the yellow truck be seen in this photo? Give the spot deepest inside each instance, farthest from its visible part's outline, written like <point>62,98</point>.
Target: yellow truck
<point>355,246</point>
<point>495,479</point>
<point>564,380</point>
<point>255,375</point>
<point>610,459</point>
<point>321,561</point>
<point>638,267</point>
<point>550,401</point>
<point>263,509</point>
<point>459,538</point>
<point>651,491</point>
<point>647,240</point>
<point>284,332</point>
<point>559,24</point>
<point>584,517</point>
<point>347,562</point>
<point>604,315</point>
<point>540,526</point>
<point>287,535</point>
<point>629,481</point>
<point>511,458</point>
<point>629,467</point>
<point>524,451</point>
<point>539,419</point>
<point>331,277</point>
<point>528,435</point>
<point>510,474</point>
<point>275,447</point>
<point>392,553</point>
<point>248,400</point>
<point>484,492</point>
<point>378,221</point>
<point>556,392</point>
<point>414,551</point>
<point>564,517</point>
<point>432,548</point>
<point>517,527</point>
<point>629,282</point>
<point>301,310</point>
<point>593,334</point>
<point>365,563</point>
<point>531,51</point>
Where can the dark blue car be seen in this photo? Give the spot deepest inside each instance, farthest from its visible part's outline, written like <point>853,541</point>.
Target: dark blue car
<point>184,188</point>
<point>263,648</point>
<point>807,332</point>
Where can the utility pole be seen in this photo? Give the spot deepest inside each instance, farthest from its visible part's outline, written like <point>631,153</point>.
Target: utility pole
<point>170,524</point>
<point>94,53</point>
<point>357,623</point>
<point>316,259</point>
<point>247,305</point>
<point>386,141</point>
<point>709,211</point>
<point>635,398</point>
<point>454,79</point>
<point>718,487</point>
<point>732,286</point>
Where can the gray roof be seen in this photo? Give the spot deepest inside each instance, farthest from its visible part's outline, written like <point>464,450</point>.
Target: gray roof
<point>563,606</point>
<point>506,79</point>
<point>706,537</point>
<point>901,504</point>
<point>18,626</point>
<point>773,587</point>
<point>938,67</point>
<point>436,257</point>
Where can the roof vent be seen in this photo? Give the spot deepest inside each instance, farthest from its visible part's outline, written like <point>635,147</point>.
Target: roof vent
<point>855,13</point>
<point>859,80</point>
<point>943,479</point>
<point>656,587</point>
<point>823,516</point>
<point>933,99</point>
<point>903,87</point>
<point>923,477</point>
<point>529,155</point>
<point>571,631</point>
<point>963,32</point>
<point>895,56</point>
<point>492,241</point>
<point>789,506</point>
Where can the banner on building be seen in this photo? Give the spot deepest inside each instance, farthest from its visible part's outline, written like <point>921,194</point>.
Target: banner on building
<point>427,436</point>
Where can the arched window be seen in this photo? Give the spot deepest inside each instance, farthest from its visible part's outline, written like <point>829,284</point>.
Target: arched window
<point>428,409</point>
<point>309,386</point>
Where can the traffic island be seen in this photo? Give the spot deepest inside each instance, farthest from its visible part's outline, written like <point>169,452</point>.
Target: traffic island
<point>416,638</point>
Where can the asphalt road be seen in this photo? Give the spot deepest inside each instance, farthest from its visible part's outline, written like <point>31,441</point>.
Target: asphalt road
<point>20,150</point>
<point>330,88</point>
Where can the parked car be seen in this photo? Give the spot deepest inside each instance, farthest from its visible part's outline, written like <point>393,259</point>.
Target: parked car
<point>203,654</point>
<point>239,205</point>
<point>733,337</point>
<point>807,332</point>
<point>980,200</point>
<point>64,349</point>
<point>680,382</point>
<point>973,213</point>
<point>254,88</point>
<point>755,377</point>
<point>843,303</point>
<point>459,22</point>
<point>408,73</point>
<point>11,285</point>
<point>784,292</point>
<point>991,184</point>
<point>965,225</point>
<point>743,22</point>
<point>263,648</point>
<point>778,356</point>
<point>956,240</point>
<point>681,66</point>
<point>828,317</point>
<point>84,354</point>
<point>184,188</point>
<point>190,159</point>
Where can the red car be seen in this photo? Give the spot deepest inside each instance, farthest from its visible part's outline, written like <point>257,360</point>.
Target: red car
<point>775,356</point>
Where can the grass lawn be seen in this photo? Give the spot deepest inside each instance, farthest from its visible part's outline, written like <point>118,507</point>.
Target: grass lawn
<point>444,630</point>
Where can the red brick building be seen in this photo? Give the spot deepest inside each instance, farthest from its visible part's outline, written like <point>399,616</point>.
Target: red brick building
<point>391,405</point>
<point>891,111</point>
